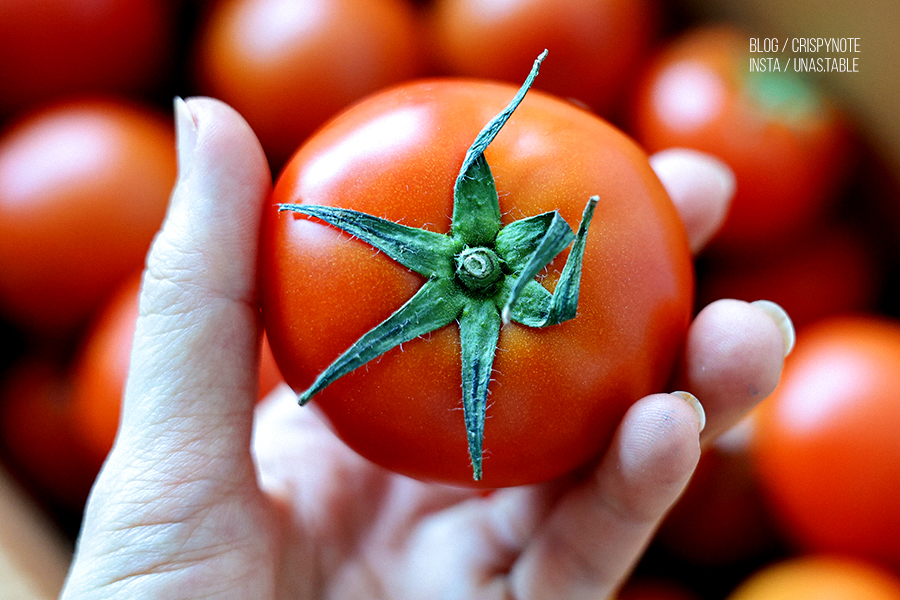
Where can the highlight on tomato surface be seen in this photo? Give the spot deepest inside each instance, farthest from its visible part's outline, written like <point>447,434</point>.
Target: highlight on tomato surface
<point>787,141</point>
<point>825,443</point>
<point>417,280</point>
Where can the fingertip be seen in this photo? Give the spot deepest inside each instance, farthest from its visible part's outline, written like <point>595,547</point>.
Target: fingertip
<point>782,321</point>
<point>733,359</point>
<point>657,452</point>
<point>695,405</point>
<point>701,187</point>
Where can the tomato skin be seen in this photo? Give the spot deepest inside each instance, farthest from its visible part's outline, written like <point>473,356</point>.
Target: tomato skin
<point>397,156</point>
<point>287,65</point>
<point>595,45</point>
<point>100,370</point>
<point>819,577</point>
<point>721,519</point>
<point>50,48</point>
<point>789,159</point>
<point>84,187</point>
<point>38,437</point>
<point>832,271</point>
<point>826,446</point>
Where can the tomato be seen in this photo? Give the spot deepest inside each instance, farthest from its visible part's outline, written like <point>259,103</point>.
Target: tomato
<point>38,437</point>
<point>721,519</point>
<point>50,48</point>
<point>831,271</point>
<point>597,45</point>
<point>288,65</point>
<point>787,143</point>
<point>826,446</point>
<point>819,577</point>
<point>555,393</point>
<point>84,187</point>
<point>101,368</point>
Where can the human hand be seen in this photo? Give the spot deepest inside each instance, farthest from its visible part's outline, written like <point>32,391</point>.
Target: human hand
<point>199,499</point>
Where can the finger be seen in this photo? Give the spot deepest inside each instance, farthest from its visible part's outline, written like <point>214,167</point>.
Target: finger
<point>733,358</point>
<point>701,187</point>
<point>196,342</point>
<point>595,533</point>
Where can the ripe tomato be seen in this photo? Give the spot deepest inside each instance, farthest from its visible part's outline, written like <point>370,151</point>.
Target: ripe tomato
<point>50,48</point>
<point>84,187</point>
<point>819,577</point>
<point>829,272</point>
<point>101,368</point>
<point>288,65</point>
<point>826,446</point>
<point>788,146</point>
<point>556,393</point>
<point>596,44</point>
<point>721,519</point>
<point>38,438</point>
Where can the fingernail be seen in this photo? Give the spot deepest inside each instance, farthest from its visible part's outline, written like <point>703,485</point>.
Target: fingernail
<point>185,136</point>
<point>695,404</point>
<point>782,320</point>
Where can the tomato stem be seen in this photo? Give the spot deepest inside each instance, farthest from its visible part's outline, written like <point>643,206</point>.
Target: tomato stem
<point>481,275</point>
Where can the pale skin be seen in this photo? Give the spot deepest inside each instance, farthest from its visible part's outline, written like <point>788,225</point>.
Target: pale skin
<point>205,495</point>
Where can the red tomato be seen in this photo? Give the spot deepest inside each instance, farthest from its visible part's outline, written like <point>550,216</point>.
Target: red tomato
<point>54,47</point>
<point>832,271</point>
<point>101,369</point>
<point>826,446</point>
<point>596,45</point>
<point>556,393</point>
<point>721,519</point>
<point>38,437</point>
<point>788,145</point>
<point>288,65</point>
<point>819,577</point>
<point>83,189</point>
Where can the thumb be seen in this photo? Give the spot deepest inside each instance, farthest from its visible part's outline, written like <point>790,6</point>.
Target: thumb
<point>184,437</point>
<point>195,356</point>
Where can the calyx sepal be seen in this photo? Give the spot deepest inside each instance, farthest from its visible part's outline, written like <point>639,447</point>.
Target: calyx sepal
<point>481,274</point>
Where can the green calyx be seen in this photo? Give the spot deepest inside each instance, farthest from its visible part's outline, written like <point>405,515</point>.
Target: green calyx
<point>481,275</point>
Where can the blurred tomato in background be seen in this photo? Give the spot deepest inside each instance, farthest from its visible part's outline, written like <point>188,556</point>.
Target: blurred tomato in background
<point>828,270</point>
<point>289,65</point>
<point>651,588</point>
<point>788,144</point>
<point>721,519</point>
<point>55,48</point>
<point>38,436</point>
<point>100,370</point>
<point>826,443</point>
<point>595,46</point>
<point>819,577</point>
<point>84,186</point>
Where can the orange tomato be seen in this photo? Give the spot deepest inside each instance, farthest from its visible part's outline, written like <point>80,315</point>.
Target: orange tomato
<point>101,369</point>
<point>84,187</point>
<point>595,46</point>
<point>787,143</point>
<point>819,577</point>
<point>826,447</point>
<point>50,48</point>
<point>287,65</point>
<point>37,436</point>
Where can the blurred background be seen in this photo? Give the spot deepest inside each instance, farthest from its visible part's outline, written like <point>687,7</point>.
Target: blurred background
<point>799,501</point>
